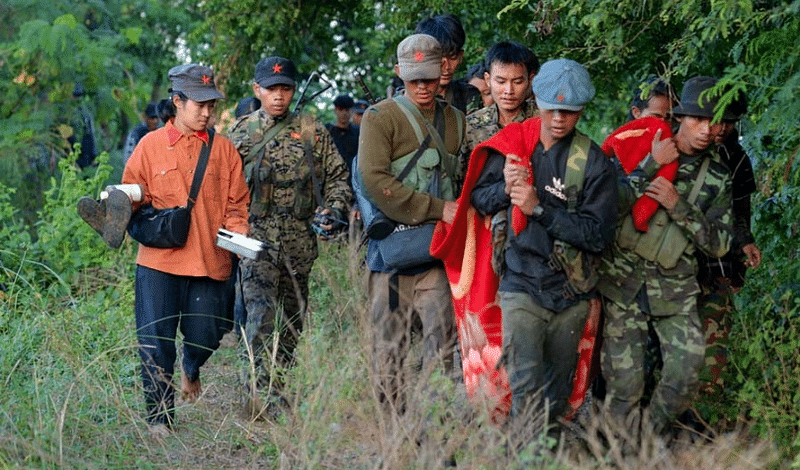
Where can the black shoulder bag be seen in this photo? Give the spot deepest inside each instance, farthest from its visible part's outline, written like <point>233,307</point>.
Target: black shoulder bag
<point>169,228</point>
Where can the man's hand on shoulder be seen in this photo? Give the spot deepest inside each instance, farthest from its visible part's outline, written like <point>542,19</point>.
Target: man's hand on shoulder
<point>663,151</point>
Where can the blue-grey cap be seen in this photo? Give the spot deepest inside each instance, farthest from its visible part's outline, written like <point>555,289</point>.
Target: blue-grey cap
<point>562,84</point>
<point>195,81</point>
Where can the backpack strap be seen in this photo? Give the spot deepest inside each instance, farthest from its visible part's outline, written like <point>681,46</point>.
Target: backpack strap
<point>254,157</point>
<point>414,116</point>
<point>576,168</point>
<point>200,170</point>
<point>698,182</point>
<point>308,134</point>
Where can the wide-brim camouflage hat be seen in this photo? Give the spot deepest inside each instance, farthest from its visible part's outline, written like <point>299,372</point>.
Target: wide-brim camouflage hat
<point>195,81</point>
<point>419,57</point>
<point>562,84</point>
<point>691,103</point>
<point>275,71</point>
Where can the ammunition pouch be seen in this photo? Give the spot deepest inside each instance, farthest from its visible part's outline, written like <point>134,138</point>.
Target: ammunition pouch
<point>579,266</point>
<point>664,242</point>
<point>429,168</point>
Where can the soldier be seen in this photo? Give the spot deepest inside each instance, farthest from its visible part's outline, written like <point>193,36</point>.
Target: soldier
<point>447,29</point>
<point>475,78</point>
<point>344,133</point>
<point>392,136</point>
<point>526,174</point>
<point>511,68</point>
<point>658,101</point>
<point>135,135</point>
<point>294,171</point>
<point>721,278</point>
<point>358,111</point>
<point>649,278</point>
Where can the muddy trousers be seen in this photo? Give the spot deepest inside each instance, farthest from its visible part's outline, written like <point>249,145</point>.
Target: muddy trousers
<point>165,302</point>
<point>540,352</point>
<point>396,302</point>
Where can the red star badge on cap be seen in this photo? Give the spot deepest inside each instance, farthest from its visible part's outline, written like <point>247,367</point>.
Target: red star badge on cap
<point>206,79</point>
<point>277,68</point>
<point>419,56</point>
<point>560,98</point>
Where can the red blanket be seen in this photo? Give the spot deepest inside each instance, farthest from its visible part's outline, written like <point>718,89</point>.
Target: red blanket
<point>630,144</point>
<point>466,249</point>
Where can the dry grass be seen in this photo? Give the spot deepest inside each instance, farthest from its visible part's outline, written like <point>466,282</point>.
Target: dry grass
<point>333,420</point>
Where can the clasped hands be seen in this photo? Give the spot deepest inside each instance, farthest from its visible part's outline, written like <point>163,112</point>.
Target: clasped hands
<point>522,193</point>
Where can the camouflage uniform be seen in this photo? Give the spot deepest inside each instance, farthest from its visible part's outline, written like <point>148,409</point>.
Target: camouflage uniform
<point>275,289</point>
<point>485,123</point>
<point>721,278</point>
<point>639,292</point>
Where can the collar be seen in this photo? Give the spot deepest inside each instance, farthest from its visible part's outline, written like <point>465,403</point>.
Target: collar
<point>174,135</point>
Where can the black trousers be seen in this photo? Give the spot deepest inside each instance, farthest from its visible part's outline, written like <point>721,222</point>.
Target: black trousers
<point>165,302</point>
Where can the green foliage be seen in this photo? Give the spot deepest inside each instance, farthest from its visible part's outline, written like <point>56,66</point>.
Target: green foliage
<point>116,51</point>
<point>766,336</point>
<point>67,361</point>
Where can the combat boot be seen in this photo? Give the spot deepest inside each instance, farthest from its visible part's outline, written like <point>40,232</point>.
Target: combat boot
<point>117,215</point>
<point>93,212</point>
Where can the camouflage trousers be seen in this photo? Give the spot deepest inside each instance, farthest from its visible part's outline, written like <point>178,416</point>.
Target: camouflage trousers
<point>623,355</point>
<point>715,307</point>
<point>275,294</point>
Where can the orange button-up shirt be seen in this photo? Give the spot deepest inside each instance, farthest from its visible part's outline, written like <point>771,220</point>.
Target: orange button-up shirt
<point>163,163</point>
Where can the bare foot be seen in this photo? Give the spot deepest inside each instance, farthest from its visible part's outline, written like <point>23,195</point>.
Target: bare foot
<point>190,391</point>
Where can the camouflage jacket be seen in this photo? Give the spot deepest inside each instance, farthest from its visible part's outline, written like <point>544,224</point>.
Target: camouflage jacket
<point>281,185</point>
<point>706,224</point>
<point>484,123</point>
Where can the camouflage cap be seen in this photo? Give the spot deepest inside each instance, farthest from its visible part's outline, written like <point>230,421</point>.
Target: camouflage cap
<point>275,71</point>
<point>419,57</point>
<point>690,102</point>
<point>562,84</point>
<point>195,81</point>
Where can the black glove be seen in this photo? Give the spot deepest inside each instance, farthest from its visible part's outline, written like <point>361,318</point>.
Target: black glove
<point>328,224</point>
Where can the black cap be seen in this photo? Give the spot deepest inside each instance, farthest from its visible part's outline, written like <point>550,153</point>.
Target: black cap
<point>151,111</point>
<point>247,106</point>
<point>360,106</point>
<point>343,101</point>
<point>195,81</point>
<point>690,104</point>
<point>737,108</point>
<point>275,71</point>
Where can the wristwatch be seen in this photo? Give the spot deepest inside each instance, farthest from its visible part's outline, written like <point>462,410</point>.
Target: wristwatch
<point>537,211</point>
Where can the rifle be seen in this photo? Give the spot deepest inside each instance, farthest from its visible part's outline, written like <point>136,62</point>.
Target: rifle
<point>302,100</point>
<point>370,97</point>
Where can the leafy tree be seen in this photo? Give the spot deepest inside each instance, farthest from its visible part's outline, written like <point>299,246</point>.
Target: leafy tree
<point>116,52</point>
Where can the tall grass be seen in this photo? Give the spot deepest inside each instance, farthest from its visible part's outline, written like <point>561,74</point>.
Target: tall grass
<point>71,393</point>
